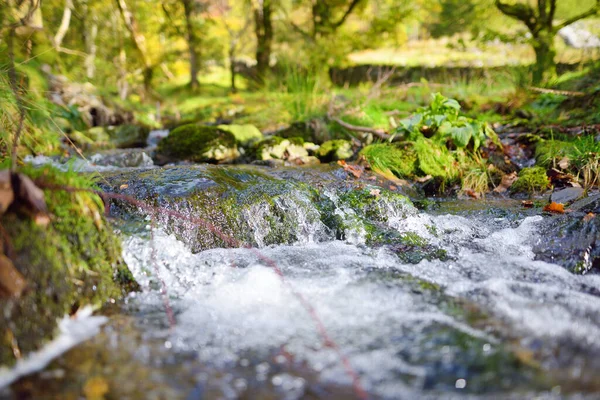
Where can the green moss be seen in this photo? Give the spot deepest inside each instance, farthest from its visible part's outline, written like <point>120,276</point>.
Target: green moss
<point>200,144</point>
<point>74,261</point>
<point>436,160</point>
<point>245,135</point>
<point>334,150</point>
<point>385,158</point>
<point>531,180</point>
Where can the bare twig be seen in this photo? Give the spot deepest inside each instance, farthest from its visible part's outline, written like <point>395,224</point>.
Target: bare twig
<point>552,91</point>
<point>364,129</point>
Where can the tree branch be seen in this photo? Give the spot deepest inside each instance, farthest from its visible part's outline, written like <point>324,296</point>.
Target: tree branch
<point>346,14</point>
<point>520,12</point>
<point>592,11</point>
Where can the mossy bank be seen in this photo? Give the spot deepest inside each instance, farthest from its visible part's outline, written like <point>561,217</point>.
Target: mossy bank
<point>73,261</point>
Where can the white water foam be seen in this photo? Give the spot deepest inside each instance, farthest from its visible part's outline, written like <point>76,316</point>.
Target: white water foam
<point>229,303</point>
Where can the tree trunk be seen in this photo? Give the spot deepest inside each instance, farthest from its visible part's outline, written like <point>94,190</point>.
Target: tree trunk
<point>232,66</point>
<point>545,67</point>
<point>64,24</point>
<point>188,6</point>
<point>140,43</point>
<point>264,37</point>
<point>90,33</point>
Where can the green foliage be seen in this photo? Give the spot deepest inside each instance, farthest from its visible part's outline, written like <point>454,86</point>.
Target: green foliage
<point>531,180</point>
<point>442,122</point>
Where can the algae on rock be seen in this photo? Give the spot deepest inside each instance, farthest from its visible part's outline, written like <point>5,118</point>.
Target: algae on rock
<point>73,261</point>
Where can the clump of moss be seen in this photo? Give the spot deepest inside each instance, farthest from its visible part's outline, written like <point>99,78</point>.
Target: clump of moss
<point>388,158</point>
<point>334,150</point>
<point>436,160</point>
<point>75,260</point>
<point>245,135</point>
<point>200,144</point>
<point>531,180</point>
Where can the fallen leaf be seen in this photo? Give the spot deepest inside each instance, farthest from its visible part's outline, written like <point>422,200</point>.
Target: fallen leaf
<point>392,187</point>
<point>473,194</point>
<point>375,192</point>
<point>564,163</point>
<point>588,217</point>
<point>423,178</point>
<point>553,207</point>
<point>561,179</point>
<point>506,183</point>
<point>123,186</point>
<point>6,192</point>
<point>353,169</point>
<point>95,388</point>
<point>527,203</point>
<point>12,282</point>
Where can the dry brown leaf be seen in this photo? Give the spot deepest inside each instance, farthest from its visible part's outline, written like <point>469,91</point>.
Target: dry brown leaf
<point>6,192</point>
<point>30,194</point>
<point>553,207</point>
<point>471,193</point>
<point>12,282</point>
<point>527,203</point>
<point>353,169</point>
<point>588,217</point>
<point>564,163</point>
<point>506,183</point>
<point>423,178</point>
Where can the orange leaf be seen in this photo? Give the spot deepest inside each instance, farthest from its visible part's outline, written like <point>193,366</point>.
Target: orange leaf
<point>553,207</point>
<point>588,217</point>
<point>353,169</point>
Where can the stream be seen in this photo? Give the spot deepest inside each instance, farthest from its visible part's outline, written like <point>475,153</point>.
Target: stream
<point>327,297</point>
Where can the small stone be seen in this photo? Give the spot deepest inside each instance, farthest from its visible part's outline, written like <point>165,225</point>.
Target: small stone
<point>566,195</point>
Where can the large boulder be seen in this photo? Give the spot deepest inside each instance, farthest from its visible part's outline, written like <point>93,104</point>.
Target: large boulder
<point>74,260</point>
<point>199,144</point>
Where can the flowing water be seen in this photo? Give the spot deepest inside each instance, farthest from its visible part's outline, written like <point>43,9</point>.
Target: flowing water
<point>473,315</point>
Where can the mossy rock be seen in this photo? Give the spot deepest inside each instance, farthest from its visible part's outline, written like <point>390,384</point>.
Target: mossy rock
<point>531,180</point>
<point>127,136</point>
<point>245,135</point>
<point>74,261</point>
<point>334,150</point>
<point>279,148</point>
<point>199,144</point>
<point>315,130</point>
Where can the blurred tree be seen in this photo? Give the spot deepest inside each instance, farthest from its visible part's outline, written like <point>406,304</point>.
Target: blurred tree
<point>540,23</point>
<point>263,29</point>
